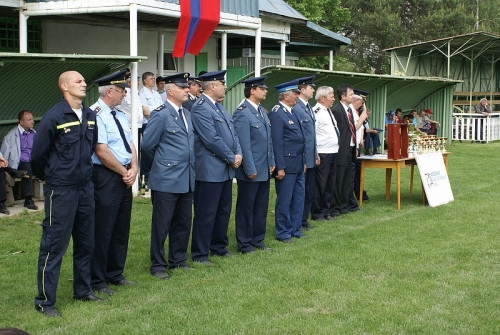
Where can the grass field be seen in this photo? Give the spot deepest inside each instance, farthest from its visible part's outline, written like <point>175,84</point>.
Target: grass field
<point>420,270</point>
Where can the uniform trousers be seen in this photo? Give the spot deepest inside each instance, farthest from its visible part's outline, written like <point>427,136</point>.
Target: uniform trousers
<point>172,213</point>
<point>343,185</point>
<point>113,206</point>
<point>289,206</point>
<point>212,209</point>
<point>251,214</point>
<point>371,141</point>
<point>309,180</point>
<point>68,213</point>
<point>324,185</point>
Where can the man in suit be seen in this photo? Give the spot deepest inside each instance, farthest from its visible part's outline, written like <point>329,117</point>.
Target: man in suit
<point>193,93</point>
<point>114,172</point>
<point>307,119</point>
<point>167,150</point>
<point>289,148</point>
<point>254,133</point>
<point>218,153</point>
<point>347,150</point>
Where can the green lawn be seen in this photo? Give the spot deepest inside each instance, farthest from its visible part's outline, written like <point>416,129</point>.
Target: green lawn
<point>420,270</point>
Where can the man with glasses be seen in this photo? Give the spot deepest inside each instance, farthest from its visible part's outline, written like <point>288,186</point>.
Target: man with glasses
<point>115,169</point>
<point>217,152</point>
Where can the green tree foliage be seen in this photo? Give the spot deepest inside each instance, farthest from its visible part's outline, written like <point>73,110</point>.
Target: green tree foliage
<point>376,25</point>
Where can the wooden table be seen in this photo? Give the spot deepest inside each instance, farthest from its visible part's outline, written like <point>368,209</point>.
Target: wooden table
<point>381,162</point>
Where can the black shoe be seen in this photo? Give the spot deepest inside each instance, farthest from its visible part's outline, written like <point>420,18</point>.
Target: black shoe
<point>105,290</point>
<point>301,236</point>
<point>49,312</point>
<point>19,174</point>
<point>161,275</point>
<point>207,263</point>
<point>331,218</point>
<point>286,240</point>
<point>3,209</point>
<point>91,297</point>
<point>355,209</point>
<point>124,282</point>
<point>320,219</point>
<point>376,153</point>
<point>31,205</point>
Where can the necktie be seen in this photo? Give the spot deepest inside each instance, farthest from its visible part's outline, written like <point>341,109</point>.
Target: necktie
<point>260,112</point>
<point>334,124</point>
<point>122,134</point>
<point>181,115</point>
<point>309,109</point>
<point>351,124</point>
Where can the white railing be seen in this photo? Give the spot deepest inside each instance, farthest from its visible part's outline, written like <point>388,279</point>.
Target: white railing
<point>475,127</point>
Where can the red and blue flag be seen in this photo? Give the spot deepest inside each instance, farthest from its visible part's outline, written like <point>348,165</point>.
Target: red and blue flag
<point>199,18</point>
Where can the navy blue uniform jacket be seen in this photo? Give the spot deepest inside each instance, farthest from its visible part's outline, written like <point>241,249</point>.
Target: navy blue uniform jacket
<point>309,127</point>
<point>288,140</point>
<point>63,147</point>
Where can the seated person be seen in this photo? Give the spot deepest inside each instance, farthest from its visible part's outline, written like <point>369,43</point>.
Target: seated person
<point>428,112</point>
<point>4,166</point>
<point>16,149</point>
<point>390,117</point>
<point>399,114</point>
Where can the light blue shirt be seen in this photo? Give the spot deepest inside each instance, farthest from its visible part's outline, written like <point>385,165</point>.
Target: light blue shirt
<point>109,134</point>
<point>150,99</point>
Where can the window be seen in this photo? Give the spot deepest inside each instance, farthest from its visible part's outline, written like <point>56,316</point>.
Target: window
<point>9,35</point>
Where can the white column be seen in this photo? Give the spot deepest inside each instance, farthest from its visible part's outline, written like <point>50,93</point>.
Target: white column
<point>161,43</point>
<point>133,87</point>
<point>283,53</point>
<point>23,32</point>
<point>330,63</point>
<point>223,51</point>
<point>258,32</point>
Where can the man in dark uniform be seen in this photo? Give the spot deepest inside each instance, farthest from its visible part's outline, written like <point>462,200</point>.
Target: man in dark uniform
<point>193,93</point>
<point>289,148</point>
<point>308,121</point>
<point>167,150</point>
<point>61,157</point>
<point>115,170</point>
<point>218,153</point>
<point>254,132</point>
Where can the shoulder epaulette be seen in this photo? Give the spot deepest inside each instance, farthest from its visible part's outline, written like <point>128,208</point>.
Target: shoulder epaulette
<point>159,107</point>
<point>317,109</point>
<point>202,100</point>
<point>275,108</point>
<point>241,107</point>
<point>97,110</point>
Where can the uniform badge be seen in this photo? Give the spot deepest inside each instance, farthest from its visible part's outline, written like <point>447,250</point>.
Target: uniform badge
<point>97,110</point>
<point>275,108</point>
<point>201,101</point>
<point>241,107</point>
<point>67,130</point>
<point>160,107</point>
<point>290,122</point>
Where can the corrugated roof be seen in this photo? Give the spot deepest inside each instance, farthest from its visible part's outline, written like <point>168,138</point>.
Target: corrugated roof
<point>280,8</point>
<point>30,81</point>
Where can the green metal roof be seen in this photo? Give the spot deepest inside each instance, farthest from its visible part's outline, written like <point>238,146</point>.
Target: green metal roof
<point>386,92</point>
<point>30,81</point>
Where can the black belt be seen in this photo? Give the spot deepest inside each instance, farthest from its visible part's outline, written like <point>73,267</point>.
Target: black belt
<point>127,166</point>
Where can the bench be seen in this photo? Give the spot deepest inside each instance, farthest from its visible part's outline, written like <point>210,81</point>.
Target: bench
<point>10,182</point>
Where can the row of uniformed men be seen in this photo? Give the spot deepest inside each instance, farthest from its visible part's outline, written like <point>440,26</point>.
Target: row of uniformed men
<point>88,161</point>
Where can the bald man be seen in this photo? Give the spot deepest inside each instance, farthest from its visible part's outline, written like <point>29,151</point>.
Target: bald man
<point>61,158</point>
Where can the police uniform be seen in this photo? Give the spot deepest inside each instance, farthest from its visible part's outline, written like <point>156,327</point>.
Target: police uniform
<point>215,147</point>
<point>308,122</point>
<point>61,156</point>
<point>190,102</point>
<point>168,152</point>
<point>113,198</point>
<point>254,132</point>
<point>289,148</point>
